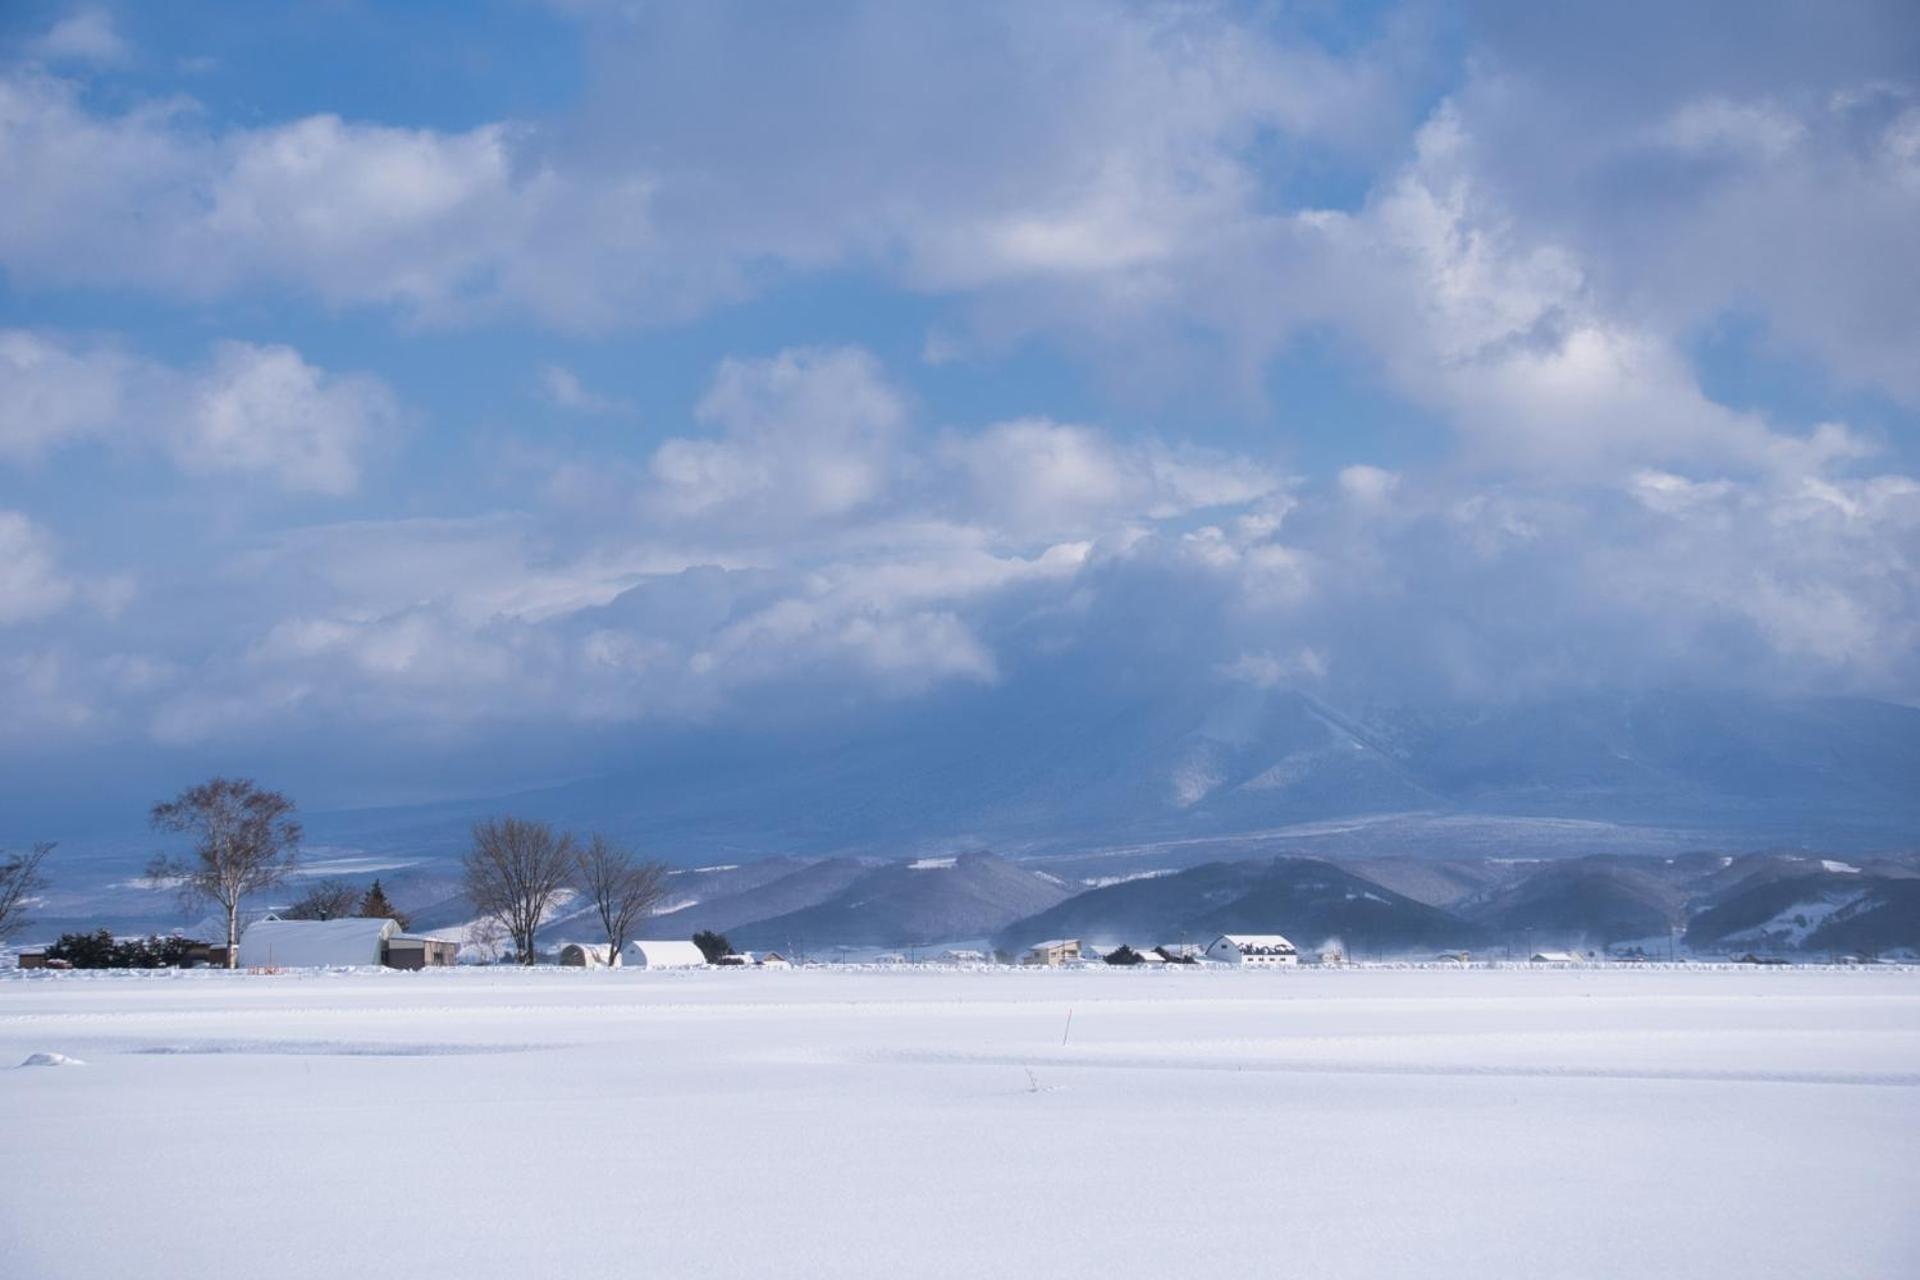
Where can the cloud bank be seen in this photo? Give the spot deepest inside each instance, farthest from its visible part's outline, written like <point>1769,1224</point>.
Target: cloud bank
<point>1523,253</point>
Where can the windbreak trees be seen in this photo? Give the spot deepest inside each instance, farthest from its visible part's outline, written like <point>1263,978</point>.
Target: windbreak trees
<point>515,872</point>
<point>245,841</point>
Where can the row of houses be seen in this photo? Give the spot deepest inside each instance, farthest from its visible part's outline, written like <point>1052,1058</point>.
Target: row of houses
<point>1252,950</point>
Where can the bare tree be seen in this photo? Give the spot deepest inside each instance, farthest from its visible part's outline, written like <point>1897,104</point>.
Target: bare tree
<point>20,879</point>
<point>514,872</point>
<point>326,900</point>
<point>485,936</point>
<point>623,889</point>
<point>245,841</point>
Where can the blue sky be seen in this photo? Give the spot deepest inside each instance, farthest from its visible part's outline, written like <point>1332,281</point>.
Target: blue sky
<point>423,399</point>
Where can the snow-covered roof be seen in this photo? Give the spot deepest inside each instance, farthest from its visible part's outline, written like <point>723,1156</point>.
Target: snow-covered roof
<point>1053,943</point>
<point>1255,942</point>
<point>295,944</point>
<point>660,954</point>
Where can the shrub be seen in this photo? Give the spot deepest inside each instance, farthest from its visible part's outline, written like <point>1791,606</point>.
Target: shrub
<point>101,950</point>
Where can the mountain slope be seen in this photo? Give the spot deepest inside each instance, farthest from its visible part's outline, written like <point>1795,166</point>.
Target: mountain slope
<point>1584,903</point>
<point>1305,898</point>
<point>924,901</point>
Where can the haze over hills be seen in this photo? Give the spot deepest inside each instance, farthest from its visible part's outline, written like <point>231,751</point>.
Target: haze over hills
<point>1427,803</point>
<point>1016,772</point>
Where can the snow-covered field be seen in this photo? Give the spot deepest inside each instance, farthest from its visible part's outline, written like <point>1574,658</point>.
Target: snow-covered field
<point>1372,1123</point>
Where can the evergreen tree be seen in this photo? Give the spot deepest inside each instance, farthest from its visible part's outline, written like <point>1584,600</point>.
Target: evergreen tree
<point>712,945</point>
<point>376,906</point>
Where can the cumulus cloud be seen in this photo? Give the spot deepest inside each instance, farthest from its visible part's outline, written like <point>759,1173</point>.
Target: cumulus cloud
<point>31,583</point>
<point>561,387</point>
<point>1041,477</point>
<point>86,35</point>
<point>1525,256</point>
<point>807,435</point>
<point>251,409</point>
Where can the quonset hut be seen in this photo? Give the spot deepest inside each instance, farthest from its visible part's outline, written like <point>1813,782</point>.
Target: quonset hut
<point>304,944</point>
<point>652,954</point>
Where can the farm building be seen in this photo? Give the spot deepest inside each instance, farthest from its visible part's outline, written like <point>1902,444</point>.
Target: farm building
<point>1554,957</point>
<point>1055,951</point>
<point>36,959</point>
<point>651,954</point>
<point>1262,949</point>
<point>411,951</point>
<point>774,960</point>
<point>585,955</point>
<point>301,944</point>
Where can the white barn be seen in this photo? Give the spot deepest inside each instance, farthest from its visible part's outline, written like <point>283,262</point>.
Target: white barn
<point>1262,949</point>
<point>651,954</point>
<point>312,944</point>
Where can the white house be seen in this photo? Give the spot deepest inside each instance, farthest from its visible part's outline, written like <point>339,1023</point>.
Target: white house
<point>653,954</point>
<point>1264,949</point>
<point>1054,951</point>
<point>308,944</point>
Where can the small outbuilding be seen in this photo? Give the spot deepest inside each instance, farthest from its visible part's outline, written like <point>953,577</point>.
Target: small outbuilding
<point>586,955</point>
<point>1263,950</point>
<point>416,951</point>
<point>659,954</point>
<point>1554,957</point>
<point>774,960</point>
<point>316,944</point>
<point>31,960</point>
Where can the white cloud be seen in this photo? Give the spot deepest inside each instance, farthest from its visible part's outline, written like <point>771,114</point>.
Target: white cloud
<point>52,394</point>
<point>1034,476</point>
<point>86,35</point>
<point>266,411</point>
<point>562,387</point>
<point>806,435</point>
<point>252,410</point>
<point>31,582</point>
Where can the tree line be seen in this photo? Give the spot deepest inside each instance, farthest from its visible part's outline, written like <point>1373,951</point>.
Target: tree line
<point>245,841</point>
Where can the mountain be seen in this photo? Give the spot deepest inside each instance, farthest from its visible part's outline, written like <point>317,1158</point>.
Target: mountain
<point>1034,771</point>
<point>1785,908</point>
<point>924,901</point>
<point>1307,899</point>
<point>1886,917</point>
<point>1586,903</point>
<point>1313,901</point>
<point>1092,785</point>
<point>806,885</point>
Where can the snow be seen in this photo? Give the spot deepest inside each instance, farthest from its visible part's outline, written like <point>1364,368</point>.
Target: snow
<point>1793,925</point>
<point>932,864</point>
<point>1839,868</point>
<point>50,1060</point>
<point>1438,1122</point>
<point>1102,882</point>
